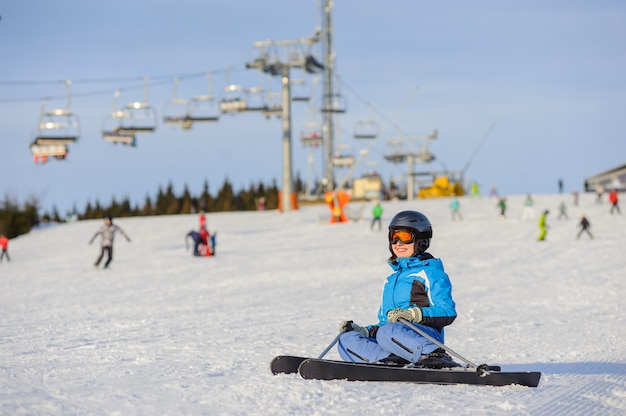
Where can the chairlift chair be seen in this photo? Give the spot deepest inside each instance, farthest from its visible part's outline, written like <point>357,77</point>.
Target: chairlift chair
<point>203,108</point>
<point>255,100</point>
<point>176,110</point>
<point>274,106</point>
<point>299,91</point>
<point>333,103</point>
<point>58,126</point>
<point>366,129</point>
<point>112,125</point>
<point>233,100</point>
<point>343,160</point>
<point>176,113</point>
<point>139,117</point>
<point>311,135</point>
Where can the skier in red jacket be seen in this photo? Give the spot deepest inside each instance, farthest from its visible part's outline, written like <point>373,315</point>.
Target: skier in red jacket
<point>4,244</point>
<point>613,199</point>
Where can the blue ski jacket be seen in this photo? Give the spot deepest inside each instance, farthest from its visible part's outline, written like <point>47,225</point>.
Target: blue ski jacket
<point>419,281</point>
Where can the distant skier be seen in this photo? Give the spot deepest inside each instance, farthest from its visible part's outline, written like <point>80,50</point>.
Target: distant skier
<point>543,226</point>
<point>585,225</point>
<point>107,233</point>
<point>201,245</point>
<point>528,213</point>
<point>455,208</point>
<point>377,213</point>
<point>599,193</point>
<point>475,190</point>
<point>614,200</point>
<point>4,244</point>
<point>562,211</point>
<point>502,206</point>
<point>418,290</point>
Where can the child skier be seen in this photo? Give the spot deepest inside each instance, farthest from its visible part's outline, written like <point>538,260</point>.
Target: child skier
<point>418,290</point>
<point>584,226</point>
<point>201,242</point>
<point>107,232</point>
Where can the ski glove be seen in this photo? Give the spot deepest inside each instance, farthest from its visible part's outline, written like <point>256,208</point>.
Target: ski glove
<point>411,314</point>
<point>347,326</point>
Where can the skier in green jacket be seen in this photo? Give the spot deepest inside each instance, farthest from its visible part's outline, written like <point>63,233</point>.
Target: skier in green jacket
<point>543,227</point>
<point>377,212</point>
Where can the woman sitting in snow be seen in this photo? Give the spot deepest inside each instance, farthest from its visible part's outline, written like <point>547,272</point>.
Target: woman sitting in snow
<point>419,291</point>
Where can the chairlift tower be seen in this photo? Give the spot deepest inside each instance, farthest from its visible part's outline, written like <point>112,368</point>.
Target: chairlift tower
<point>272,62</point>
<point>328,128</point>
<point>400,155</point>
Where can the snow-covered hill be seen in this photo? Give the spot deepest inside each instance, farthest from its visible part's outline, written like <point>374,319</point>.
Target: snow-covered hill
<point>165,333</point>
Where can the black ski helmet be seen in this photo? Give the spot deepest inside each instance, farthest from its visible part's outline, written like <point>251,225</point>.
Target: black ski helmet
<point>418,224</point>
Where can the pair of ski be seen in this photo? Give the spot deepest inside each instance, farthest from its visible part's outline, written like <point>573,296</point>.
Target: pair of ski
<point>321,369</point>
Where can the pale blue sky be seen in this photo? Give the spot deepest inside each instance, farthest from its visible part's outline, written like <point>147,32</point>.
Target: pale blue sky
<point>550,74</point>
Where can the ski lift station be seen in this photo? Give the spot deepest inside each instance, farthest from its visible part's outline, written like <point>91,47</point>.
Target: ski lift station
<point>614,178</point>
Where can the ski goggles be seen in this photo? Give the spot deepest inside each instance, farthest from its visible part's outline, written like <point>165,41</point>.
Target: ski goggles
<point>401,235</point>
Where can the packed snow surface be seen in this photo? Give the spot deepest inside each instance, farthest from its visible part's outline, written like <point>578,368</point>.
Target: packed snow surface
<point>164,333</point>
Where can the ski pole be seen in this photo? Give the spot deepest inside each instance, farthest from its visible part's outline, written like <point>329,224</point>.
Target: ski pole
<point>332,344</point>
<point>482,370</point>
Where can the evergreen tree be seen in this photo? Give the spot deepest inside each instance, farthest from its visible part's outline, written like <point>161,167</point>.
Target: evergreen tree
<point>171,202</point>
<point>55,214</point>
<point>87,214</point>
<point>205,202</point>
<point>161,203</point>
<point>15,221</point>
<point>225,198</point>
<point>298,186</point>
<point>271,197</point>
<point>185,202</point>
<point>125,210</point>
<point>147,207</point>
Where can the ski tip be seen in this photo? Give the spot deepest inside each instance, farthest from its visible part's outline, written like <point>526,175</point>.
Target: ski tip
<point>303,365</point>
<point>285,364</point>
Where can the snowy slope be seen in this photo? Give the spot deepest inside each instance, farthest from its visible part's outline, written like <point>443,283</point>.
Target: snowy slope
<point>165,333</point>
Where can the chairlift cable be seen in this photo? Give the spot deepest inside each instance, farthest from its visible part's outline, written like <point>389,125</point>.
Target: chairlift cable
<point>161,79</point>
<point>479,146</point>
